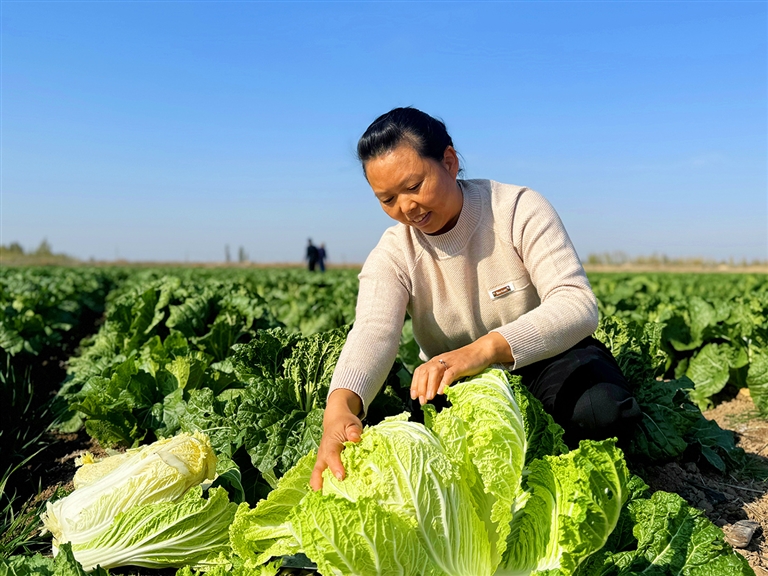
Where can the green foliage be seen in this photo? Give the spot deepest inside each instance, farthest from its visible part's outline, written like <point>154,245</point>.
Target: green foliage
<point>237,569</point>
<point>713,325</point>
<point>286,380</point>
<point>664,535</point>
<point>63,565</point>
<point>20,522</point>
<point>308,303</point>
<point>25,417</point>
<point>162,340</point>
<point>246,356</point>
<point>637,348</point>
<point>45,312</point>
<point>408,352</point>
<point>274,415</point>
<point>672,426</point>
<point>42,308</point>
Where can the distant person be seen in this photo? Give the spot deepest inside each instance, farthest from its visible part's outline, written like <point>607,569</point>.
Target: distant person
<point>321,256</point>
<point>488,275</point>
<point>312,254</point>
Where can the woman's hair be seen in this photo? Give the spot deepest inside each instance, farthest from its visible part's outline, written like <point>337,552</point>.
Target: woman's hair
<point>427,135</point>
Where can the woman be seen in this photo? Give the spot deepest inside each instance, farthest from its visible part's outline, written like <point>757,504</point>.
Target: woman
<point>488,275</point>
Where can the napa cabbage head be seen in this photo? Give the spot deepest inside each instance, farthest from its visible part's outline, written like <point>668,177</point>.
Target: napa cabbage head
<point>544,508</point>
<point>572,505</point>
<point>193,530</point>
<point>485,487</point>
<point>159,472</point>
<point>402,509</point>
<point>401,471</point>
<point>260,533</point>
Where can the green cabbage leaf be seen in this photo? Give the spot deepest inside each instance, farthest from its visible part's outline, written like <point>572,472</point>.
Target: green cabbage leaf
<point>664,535</point>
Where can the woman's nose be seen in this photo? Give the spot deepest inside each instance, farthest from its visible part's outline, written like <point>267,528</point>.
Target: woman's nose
<point>409,207</point>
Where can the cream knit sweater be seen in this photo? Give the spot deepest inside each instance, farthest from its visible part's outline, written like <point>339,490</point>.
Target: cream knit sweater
<point>507,266</point>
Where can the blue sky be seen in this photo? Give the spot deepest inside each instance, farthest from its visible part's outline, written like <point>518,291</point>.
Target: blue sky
<point>166,130</point>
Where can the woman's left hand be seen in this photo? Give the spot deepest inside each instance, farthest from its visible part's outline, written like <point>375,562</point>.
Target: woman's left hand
<point>435,376</point>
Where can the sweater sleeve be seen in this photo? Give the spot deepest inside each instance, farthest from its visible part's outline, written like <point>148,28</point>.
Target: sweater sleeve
<point>372,344</point>
<point>568,311</point>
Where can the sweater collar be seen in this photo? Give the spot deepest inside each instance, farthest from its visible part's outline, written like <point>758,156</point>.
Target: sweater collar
<point>453,241</point>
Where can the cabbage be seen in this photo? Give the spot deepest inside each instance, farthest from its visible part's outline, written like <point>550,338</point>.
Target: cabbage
<point>471,492</point>
<point>664,535</point>
<point>573,505</point>
<point>271,569</point>
<point>404,505</point>
<point>159,472</point>
<point>191,531</point>
<point>492,428</point>
<point>543,510</point>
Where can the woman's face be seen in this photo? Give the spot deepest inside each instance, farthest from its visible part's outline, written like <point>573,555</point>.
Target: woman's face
<point>419,192</point>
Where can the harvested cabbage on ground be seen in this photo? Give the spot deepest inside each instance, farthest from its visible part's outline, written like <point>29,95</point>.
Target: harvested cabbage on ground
<point>145,508</point>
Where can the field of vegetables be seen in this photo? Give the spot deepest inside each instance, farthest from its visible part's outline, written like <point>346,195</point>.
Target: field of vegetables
<point>189,401</point>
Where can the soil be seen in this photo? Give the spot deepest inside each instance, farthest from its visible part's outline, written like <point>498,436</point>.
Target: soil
<point>724,499</point>
<point>60,457</point>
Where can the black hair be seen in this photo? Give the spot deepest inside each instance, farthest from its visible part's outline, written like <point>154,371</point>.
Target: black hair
<point>426,134</point>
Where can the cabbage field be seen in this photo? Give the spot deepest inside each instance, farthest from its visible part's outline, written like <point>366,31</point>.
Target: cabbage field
<point>163,421</point>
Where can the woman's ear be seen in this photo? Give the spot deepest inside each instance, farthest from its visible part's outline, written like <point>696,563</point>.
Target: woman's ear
<point>451,161</point>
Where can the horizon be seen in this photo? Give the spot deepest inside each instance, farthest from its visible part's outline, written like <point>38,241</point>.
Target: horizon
<point>15,255</point>
<point>165,131</point>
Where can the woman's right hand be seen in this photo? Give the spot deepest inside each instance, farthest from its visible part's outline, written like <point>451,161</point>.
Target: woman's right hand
<point>340,424</point>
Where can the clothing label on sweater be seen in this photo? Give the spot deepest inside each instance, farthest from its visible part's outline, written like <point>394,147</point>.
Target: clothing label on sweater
<point>499,291</point>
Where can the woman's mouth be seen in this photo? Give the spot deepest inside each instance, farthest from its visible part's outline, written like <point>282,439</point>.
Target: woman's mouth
<point>422,219</point>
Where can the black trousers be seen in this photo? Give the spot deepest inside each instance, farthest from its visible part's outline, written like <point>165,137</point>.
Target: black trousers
<point>584,391</point>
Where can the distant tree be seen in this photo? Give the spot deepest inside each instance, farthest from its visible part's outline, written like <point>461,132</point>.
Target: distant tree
<point>242,255</point>
<point>609,258</point>
<point>227,257</point>
<point>44,249</point>
<point>594,259</point>
<point>14,248</point>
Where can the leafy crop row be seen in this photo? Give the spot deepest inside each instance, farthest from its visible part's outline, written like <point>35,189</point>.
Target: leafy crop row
<point>714,328</point>
<point>44,310</point>
<point>44,313</point>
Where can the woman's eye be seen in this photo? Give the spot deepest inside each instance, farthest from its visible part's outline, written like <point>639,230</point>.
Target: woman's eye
<point>387,200</point>
<point>414,187</point>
